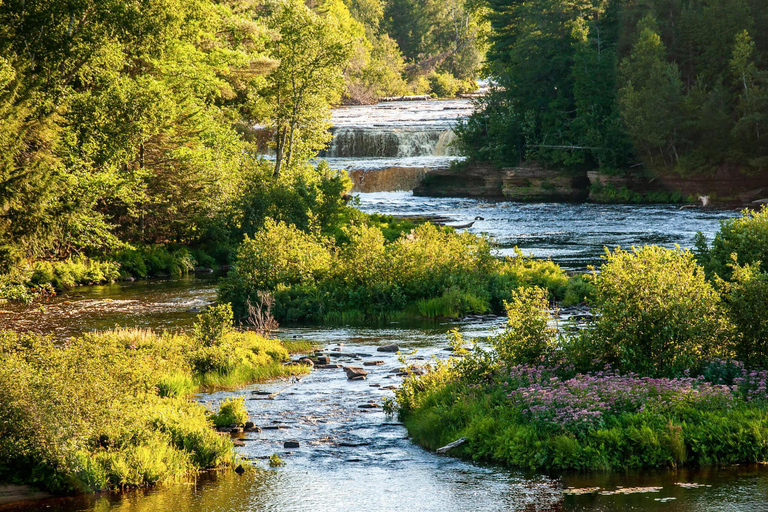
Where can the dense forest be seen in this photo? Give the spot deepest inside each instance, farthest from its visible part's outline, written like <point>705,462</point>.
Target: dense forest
<point>135,123</point>
<point>643,85</point>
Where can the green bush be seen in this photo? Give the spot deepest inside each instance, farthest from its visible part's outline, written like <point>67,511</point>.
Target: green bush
<point>430,271</point>
<point>110,409</point>
<point>746,236</point>
<point>231,412</point>
<point>668,431</point>
<point>282,255</point>
<point>453,303</point>
<point>656,313</point>
<point>579,289</point>
<point>746,299</point>
<point>445,85</point>
<point>153,261</point>
<point>213,324</point>
<point>528,337</point>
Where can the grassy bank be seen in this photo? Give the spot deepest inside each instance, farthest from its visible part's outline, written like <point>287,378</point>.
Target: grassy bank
<point>427,271</point>
<point>38,279</point>
<point>529,417</point>
<point>111,410</point>
<point>657,380</point>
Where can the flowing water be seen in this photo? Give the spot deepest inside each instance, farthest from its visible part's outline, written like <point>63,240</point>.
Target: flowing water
<point>389,146</point>
<point>357,458</point>
<point>573,235</point>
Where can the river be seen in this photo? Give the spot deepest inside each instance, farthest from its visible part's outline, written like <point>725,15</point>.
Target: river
<point>358,458</point>
<point>353,458</point>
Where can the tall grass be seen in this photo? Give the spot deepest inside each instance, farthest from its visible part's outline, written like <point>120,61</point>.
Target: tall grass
<point>111,409</point>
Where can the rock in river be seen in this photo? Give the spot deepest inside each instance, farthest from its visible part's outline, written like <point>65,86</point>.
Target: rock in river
<point>291,444</point>
<point>355,373</point>
<point>388,348</point>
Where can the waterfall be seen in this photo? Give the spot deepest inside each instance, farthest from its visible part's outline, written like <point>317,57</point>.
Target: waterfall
<point>389,143</point>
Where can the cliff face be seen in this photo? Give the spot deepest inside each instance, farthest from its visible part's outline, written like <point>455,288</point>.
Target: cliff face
<point>389,179</point>
<point>527,183</point>
<point>534,183</point>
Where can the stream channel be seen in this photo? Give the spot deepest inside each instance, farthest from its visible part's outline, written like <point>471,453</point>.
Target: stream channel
<point>358,458</point>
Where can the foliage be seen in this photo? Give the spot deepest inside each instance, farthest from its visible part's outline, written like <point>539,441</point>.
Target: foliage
<point>445,85</point>
<point>437,35</point>
<point>231,412</point>
<point>110,410</point>
<point>532,418</point>
<point>430,271</point>
<point>656,313</point>
<point>154,261</point>
<point>671,86</point>
<point>214,324</point>
<point>312,51</point>
<point>528,338</point>
<point>746,300</point>
<point>120,434</point>
<point>746,236</point>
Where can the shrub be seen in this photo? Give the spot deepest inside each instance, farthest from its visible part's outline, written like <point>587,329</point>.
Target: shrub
<point>746,236</point>
<point>528,338</point>
<point>657,314</point>
<point>85,417</point>
<point>282,254</point>
<point>579,289</point>
<point>214,324</point>
<point>453,303</point>
<point>536,417</point>
<point>231,412</point>
<point>154,260</point>
<point>110,409</point>
<point>445,85</point>
<point>521,270</point>
<point>746,299</point>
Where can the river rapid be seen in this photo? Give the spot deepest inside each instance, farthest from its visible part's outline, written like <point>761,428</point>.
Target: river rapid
<point>352,456</point>
<point>358,458</point>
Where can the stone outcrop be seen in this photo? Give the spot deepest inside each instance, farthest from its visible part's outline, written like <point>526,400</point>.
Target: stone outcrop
<point>386,180</point>
<point>534,183</point>
<point>529,182</point>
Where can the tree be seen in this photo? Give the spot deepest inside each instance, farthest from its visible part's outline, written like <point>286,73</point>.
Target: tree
<point>651,97</point>
<point>311,51</point>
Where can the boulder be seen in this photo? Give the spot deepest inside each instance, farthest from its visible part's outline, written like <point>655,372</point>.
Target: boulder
<point>291,444</point>
<point>355,373</point>
<point>388,348</point>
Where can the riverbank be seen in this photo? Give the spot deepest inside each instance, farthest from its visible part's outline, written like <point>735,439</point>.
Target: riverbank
<point>133,424</point>
<point>44,279</point>
<point>671,371</point>
<point>533,183</point>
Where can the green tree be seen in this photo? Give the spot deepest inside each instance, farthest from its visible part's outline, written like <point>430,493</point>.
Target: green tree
<point>651,97</point>
<point>311,51</point>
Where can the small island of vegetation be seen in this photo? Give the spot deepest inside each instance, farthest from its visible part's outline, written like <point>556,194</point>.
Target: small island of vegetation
<point>672,372</point>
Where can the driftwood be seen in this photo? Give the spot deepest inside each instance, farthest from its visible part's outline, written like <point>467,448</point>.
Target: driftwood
<point>451,446</point>
<point>407,98</point>
<point>461,226</point>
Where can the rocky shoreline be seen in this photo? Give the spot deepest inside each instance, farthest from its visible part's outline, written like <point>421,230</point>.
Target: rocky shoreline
<point>534,183</point>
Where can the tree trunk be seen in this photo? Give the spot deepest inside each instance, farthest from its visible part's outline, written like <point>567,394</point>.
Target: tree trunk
<point>279,153</point>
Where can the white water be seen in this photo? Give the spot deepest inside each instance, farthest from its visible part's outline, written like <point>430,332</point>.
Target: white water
<point>404,134</point>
